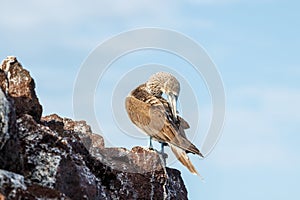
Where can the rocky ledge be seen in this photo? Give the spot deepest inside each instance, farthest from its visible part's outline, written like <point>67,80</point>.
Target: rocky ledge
<point>52,157</point>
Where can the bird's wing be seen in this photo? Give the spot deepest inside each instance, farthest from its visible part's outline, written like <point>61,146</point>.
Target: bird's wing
<point>146,117</point>
<point>151,116</point>
<point>184,124</point>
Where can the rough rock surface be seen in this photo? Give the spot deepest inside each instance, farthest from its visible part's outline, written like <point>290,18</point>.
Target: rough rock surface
<point>18,84</point>
<point>57,158</point>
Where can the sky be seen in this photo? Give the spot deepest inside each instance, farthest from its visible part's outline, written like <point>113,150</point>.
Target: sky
<point>254,45</point>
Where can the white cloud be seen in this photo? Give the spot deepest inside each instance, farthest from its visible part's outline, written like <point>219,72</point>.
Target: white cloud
<point>245,156</point>
<point>213,2</point>
<point>278,103</point>
<point>260,134</point>
<point>32,13</point>
<point>35,14</point>
<point>223,2</point>
<point>81,25</point>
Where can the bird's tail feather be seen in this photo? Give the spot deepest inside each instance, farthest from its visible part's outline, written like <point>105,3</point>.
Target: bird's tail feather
<point>182,156</point>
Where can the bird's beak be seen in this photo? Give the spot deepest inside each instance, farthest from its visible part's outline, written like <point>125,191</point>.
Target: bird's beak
<point>173,103</point>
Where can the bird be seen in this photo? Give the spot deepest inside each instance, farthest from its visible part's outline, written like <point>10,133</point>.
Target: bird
<point>158,117</point>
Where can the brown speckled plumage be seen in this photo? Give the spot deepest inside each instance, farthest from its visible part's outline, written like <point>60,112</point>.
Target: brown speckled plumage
<point>153,114</point>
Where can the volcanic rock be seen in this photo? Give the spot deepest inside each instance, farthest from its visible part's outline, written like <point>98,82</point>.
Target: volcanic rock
<point>52,157</point>
<point>19,85</point>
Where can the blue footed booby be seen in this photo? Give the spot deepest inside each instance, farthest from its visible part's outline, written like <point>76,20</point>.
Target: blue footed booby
<point>158,117</point>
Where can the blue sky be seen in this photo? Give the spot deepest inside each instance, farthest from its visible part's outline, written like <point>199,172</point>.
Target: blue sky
<point>255,45</point>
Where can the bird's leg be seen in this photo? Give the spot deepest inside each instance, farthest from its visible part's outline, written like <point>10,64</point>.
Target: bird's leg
<point>162,148</point>
<point>162,152</point>
<point>150,143</point>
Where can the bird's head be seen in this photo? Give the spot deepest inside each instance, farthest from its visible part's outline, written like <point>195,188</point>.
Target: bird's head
<point>163,82</point>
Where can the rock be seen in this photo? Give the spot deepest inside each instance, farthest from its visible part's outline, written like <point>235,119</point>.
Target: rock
<point>6,119</point>
<point>12,183</point>
<point>174,185</point>
<point>89,139</point>
<point>52,157</point>
<point>19,85</point>
<point>9,141</point>
<point>14,187</point>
